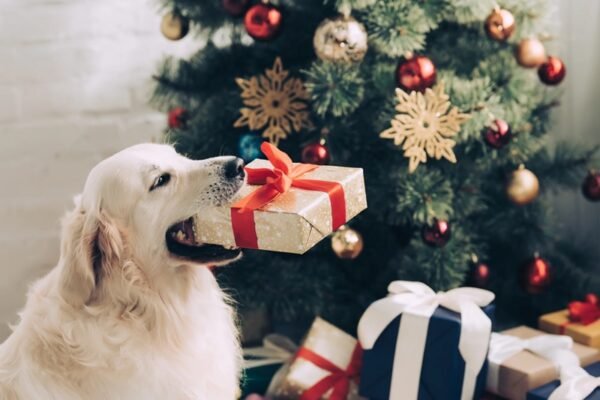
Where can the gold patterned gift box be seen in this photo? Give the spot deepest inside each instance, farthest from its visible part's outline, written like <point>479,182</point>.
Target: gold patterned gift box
<point>317,200</point>
<point>326,366</point>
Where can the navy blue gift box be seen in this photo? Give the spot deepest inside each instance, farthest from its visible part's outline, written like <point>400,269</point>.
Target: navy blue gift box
<point>543,392</point>
<point>443,366</point>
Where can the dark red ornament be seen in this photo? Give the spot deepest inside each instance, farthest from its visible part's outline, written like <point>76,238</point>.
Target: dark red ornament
<point>416,73</point>
<point>235,8</point>
<point>536,275</point>
<point>437,234</point>
<point>591,186</point>
<point>480,275</point>
<point>498,135</point>
<point>178,118</point>
<point>263,21</point>
<point>553,71</point>
<point>316,153</point>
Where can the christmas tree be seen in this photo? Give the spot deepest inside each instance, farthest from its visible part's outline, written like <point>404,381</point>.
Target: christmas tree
<point>445,104</point>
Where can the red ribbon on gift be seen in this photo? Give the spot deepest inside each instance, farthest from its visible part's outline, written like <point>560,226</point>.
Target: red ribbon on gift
<point>583,312</point>
<point>338,379</point>
<point>276,181</point>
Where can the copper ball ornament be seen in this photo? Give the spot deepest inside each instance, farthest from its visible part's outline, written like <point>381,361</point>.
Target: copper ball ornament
<point>553,71</point>
<point>174,26</point>
<point>263,21</point>
<point>536,275</point>
<point>523,186</point>
<point>591,186</point>
<point>416,73</point>
<point>530,53</point>
<point>316,153</point>
<point>498,135</point>
<point>341,39</point>
<point>500,25</point>
<point>347,243</point>
<point>437,234</point>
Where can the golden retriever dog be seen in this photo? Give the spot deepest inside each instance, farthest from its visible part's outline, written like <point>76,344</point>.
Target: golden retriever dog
<point>132,310</point>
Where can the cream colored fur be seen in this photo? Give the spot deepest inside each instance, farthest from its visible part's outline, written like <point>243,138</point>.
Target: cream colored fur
<point>119,317</point>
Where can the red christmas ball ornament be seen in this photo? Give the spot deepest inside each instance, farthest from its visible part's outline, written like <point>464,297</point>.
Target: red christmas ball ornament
<point>178,118</point>
<point>591,186</point>
<point>416,73</point>
<point>263,21</point>
<point>553,71</point>
<point>480,275</point>
<point>498,135</point>
<point>235,8</point>
<point>536,275</point>
<point>437,234</point>
<point>316,153</point>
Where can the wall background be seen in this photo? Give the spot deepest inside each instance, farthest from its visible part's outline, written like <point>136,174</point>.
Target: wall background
<point>74,82</point>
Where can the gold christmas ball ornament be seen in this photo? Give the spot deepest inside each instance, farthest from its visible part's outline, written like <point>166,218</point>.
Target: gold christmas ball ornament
<point>523,186</point>
<point>341,39</point>
<point>530,53</point>
<point>500,24</point>
<point>174,26</point>
<point>347,243</point>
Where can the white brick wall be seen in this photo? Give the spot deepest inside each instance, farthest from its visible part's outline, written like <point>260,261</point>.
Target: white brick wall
<point>74,82</point>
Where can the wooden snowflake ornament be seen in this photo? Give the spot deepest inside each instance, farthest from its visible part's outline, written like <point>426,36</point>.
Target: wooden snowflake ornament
<point>274,101</point>
<point>424,124</point>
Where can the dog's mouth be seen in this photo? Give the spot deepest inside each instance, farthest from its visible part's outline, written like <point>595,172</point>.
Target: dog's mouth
<point>182,243</point>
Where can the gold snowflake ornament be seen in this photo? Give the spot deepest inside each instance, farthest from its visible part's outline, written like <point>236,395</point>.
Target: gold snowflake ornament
<point>274,101</point>
<point>424,125</point>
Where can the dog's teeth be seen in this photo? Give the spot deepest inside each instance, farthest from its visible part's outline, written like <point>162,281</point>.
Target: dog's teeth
<point>180,235</point>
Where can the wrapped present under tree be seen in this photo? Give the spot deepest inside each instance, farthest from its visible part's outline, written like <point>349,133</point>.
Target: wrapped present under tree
<point>423,345</point>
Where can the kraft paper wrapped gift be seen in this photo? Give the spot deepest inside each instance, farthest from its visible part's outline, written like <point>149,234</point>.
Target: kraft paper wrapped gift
<point>326,366</point>
<point>285,207</point>
<point>423,345</point>
<point>581,321</point>
<point>574,384</point>
<point>518,366</point>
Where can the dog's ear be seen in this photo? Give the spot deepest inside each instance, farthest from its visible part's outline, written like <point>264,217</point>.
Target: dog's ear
<point>91,246</point>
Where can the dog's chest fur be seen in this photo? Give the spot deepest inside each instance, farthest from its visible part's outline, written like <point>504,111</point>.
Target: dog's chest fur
<point>187,351</point>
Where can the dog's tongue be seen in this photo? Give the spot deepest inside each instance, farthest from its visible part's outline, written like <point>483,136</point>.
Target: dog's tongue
<point>183,232</point>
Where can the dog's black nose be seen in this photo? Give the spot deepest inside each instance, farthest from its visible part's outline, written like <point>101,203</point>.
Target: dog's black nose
<point>234,168</point>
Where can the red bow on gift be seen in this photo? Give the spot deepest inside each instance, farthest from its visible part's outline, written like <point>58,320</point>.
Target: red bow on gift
<point>585,312</point>
<point>338,379</point>
<point>276,181</point>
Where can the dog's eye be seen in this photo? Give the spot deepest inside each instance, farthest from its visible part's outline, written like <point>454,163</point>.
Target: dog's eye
<point>160,181</point>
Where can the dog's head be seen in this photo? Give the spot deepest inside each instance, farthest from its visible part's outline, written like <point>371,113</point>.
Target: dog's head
<point>136,207</point>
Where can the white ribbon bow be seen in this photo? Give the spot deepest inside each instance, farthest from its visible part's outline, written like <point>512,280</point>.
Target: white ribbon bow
<point>417,302</point>
<point>555,348</point>
<point>576,384</point>
<point>276,349</point>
